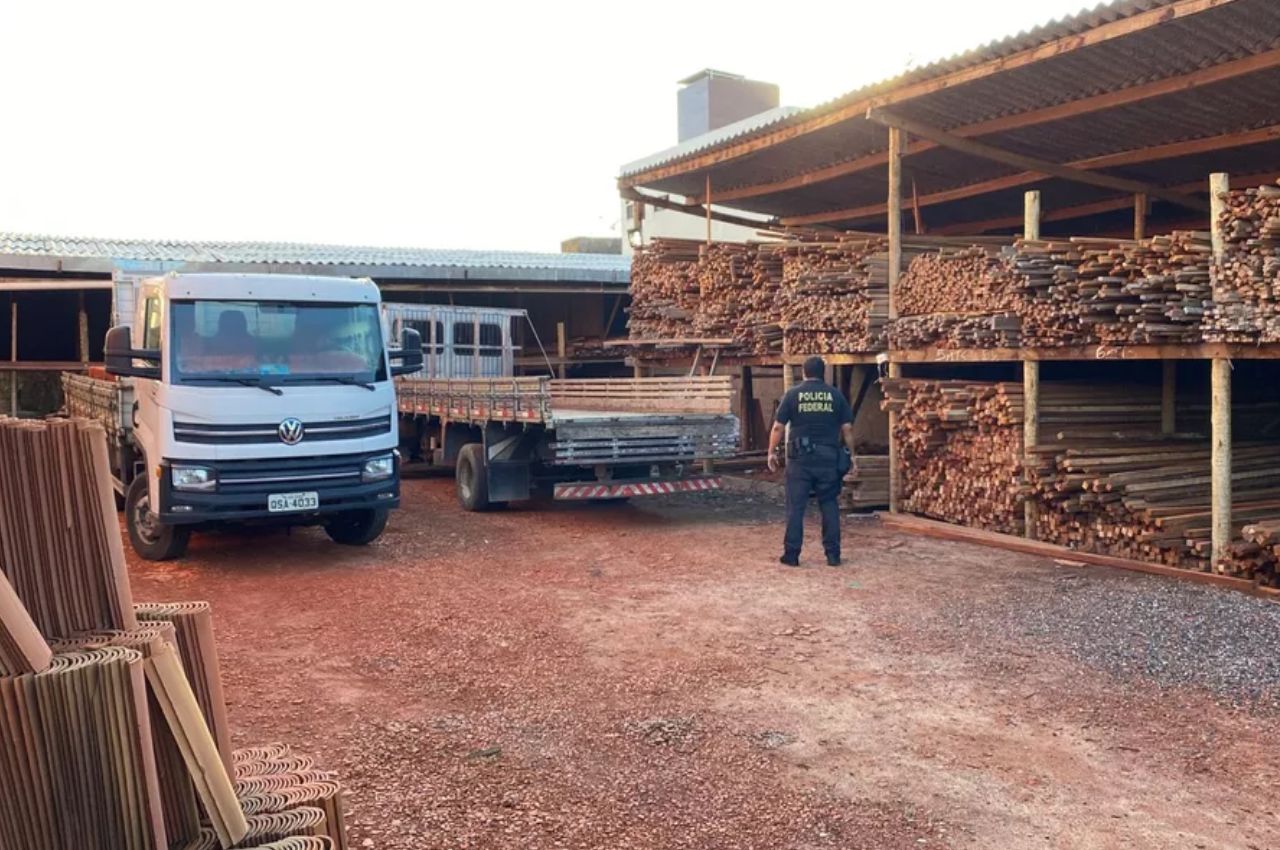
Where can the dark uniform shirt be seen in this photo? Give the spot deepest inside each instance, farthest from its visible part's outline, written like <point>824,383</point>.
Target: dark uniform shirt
<point>815,410</point>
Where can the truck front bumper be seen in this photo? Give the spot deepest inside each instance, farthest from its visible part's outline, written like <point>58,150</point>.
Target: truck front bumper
<point>244,486</point>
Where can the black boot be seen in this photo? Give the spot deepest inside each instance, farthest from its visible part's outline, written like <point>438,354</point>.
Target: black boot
<point>833,560</point>
<point>790,559</point>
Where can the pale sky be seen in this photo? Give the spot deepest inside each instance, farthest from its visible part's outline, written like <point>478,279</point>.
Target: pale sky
<point>444,125</point>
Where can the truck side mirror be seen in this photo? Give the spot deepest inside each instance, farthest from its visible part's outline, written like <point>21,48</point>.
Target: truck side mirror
<point>409,353</point>
<point>120,356</point>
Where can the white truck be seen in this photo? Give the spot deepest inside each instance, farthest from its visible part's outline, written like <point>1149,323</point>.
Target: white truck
<point>508,438</point>
<point>250,398</point>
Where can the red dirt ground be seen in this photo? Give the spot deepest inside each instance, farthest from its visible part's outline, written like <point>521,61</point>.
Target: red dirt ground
<point>645,676</point>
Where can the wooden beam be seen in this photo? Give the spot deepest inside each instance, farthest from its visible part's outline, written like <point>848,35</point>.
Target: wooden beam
<point>695,209</point>
<point>1082,210</point>
<point>1048,50</point>
<point>1030,163</point>
<point>1219,185</point>
<point>1031,215</point>
<point>1141,205</point>
<point>897,150</point>
<point>1220,458</point>
<point>1154,153</point>
<point>562,347</point>
<point>1030,437</point>
<point>707,205</point>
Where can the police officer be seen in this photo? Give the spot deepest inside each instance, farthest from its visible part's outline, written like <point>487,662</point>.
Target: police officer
<point>819,416</point>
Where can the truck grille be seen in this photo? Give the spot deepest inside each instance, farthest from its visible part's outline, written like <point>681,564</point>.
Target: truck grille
<point>320,473</point>
<point>313,432</point>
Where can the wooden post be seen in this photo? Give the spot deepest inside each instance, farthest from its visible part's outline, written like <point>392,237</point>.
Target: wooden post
<point>637,371</point>
<point>708,206</point>
<point>83,327</point>
<point>1031,215</point>
<point>1168,396</point>
<point>1030,434</point>
<point>746,401</point>
<point>13,355</point>
<point>1219,183</point>
<point>562,348</point>
<point>897,146</point>
<point>1220,463</point>
<point>1220,399</point>
<point>1141,206</point>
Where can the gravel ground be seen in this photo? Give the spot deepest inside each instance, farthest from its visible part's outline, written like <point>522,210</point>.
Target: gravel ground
<point>1174,634</point>
<point>644,675</point>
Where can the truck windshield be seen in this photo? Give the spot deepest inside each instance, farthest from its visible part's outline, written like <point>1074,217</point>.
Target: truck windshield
<point>276,342</point>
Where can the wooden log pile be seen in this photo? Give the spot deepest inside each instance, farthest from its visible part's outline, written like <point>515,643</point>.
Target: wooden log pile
<point>111,714</point>
<point>835,295</point>
<point>959,297</point>
<point>1147,497</point>
<point>1257,554</point>
<point>664,289</point>
<point>1117,292</point>
<point>960,450</point>
<point>1246,281</point>
<point>738,299</point>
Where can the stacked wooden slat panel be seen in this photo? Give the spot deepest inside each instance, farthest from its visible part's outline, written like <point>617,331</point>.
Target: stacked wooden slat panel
<point>1246,280</point>
<point>192,623</point>
<point>104,743</point>
<point>273,779</point>
<point>177,794</point>
<point>60,544</point>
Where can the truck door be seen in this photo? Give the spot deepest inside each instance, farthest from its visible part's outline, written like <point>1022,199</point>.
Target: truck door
<point>148,332</point>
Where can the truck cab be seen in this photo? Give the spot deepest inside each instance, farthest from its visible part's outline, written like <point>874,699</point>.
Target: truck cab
<point>258,398</point>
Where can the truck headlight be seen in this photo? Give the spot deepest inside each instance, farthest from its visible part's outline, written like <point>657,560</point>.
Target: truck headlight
<point>199,478</point>
<point>378,468</point>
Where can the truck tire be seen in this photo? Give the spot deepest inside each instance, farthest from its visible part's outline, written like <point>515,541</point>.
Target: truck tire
<point>473,480</point>
<point>150,538</point>
<point>357,528</point>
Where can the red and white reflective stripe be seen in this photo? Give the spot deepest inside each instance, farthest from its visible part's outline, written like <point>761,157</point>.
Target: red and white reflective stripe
<point>597,490</point>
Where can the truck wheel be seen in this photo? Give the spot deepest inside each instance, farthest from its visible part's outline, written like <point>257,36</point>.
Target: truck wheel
<point>151,539</point>
<point>357,528</point>
<point>473,480</point>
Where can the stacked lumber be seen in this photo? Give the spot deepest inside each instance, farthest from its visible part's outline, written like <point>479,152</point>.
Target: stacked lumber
<point>959,297</point>
<point>664,290</point>
<point>1147,497</point>
<point>1246,279</point>
<point>109,718</point>
<point>835,295</point>
<point>1121,292</point>
<point>1257,554</point>
<point>738,296</point>
<point>866,485</point>
<point>956,330</point>
<point>959,450</point>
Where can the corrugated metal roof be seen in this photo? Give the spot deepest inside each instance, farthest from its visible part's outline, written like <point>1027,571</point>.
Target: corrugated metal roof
<point>1082,21</point>
<point>728,133</point>
<point>1209,73</point>
<point>380,261</point>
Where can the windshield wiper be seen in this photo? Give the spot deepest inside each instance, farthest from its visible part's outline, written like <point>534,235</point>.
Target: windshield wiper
<point>340,379</point>
<point>246,382</point>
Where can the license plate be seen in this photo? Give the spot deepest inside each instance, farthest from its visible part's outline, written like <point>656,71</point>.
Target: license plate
<point>286,502</point>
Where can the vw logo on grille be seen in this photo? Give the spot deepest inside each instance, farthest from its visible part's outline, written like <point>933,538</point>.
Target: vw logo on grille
<point>290,431</point>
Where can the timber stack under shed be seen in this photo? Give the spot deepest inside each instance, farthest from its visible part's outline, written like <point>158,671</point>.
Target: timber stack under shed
<point>1059,252</point>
